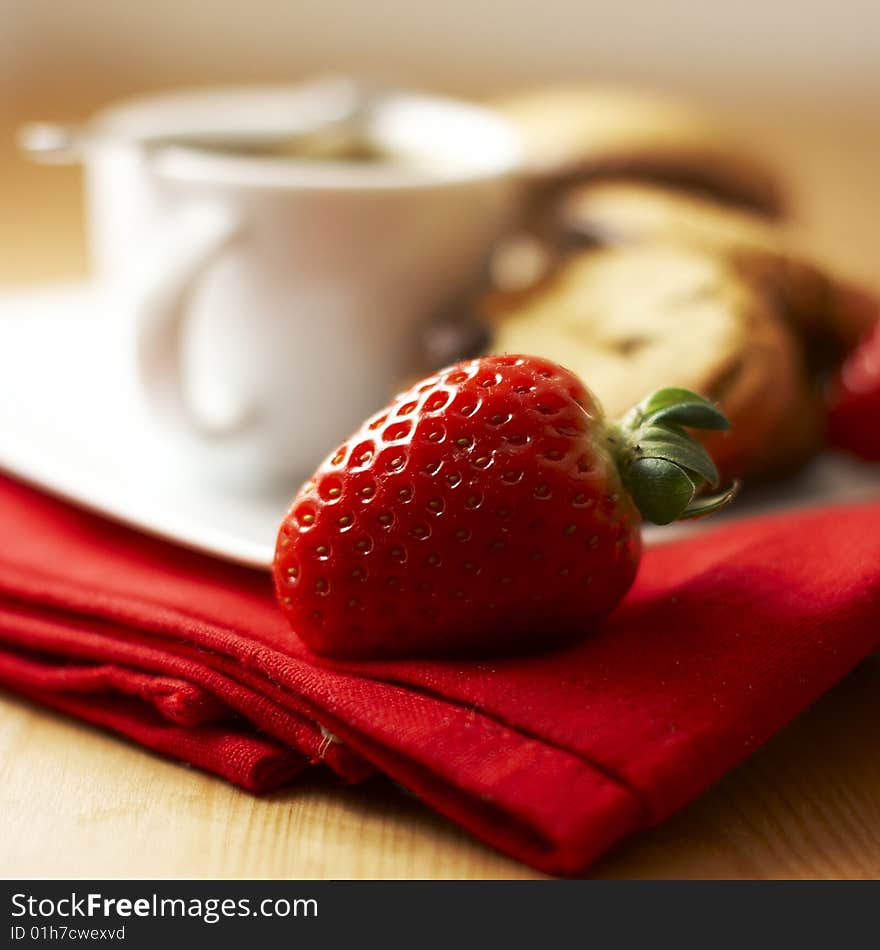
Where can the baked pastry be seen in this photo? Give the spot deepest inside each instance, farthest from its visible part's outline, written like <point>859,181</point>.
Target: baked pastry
<point>829,312</point>
<point>581,132</point>
<point>634,319</point>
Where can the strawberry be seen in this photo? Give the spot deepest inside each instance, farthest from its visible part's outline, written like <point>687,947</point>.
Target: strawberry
<point>854,401</point>
<point>488,508</point>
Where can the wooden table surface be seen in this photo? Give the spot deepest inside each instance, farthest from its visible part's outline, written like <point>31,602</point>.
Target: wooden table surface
<point>77,802</point>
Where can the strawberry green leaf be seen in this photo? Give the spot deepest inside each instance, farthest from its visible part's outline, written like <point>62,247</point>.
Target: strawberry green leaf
<point>661,490</point>
<point>662,465</point>
<point>709,503</point>
<point>677,446</point>
<point>683,407</point>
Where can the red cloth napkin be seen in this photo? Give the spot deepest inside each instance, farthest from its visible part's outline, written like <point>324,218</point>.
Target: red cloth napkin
<point>553,759</point>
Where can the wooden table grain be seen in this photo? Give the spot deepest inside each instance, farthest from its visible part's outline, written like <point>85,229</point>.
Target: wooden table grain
<point>78,802</point>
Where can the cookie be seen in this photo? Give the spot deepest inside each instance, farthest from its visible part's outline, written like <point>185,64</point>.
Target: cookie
<point>581,132</point>
<point>632,320</point>
<point>828,311</point>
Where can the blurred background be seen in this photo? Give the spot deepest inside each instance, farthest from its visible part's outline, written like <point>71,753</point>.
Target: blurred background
<point>802,78</point>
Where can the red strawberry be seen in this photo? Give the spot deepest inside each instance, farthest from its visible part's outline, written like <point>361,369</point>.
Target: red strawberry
<point>488,508</point>
<point>854,404</point>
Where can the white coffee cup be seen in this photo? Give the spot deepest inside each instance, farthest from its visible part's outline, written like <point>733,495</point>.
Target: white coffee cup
<point>272,302</point>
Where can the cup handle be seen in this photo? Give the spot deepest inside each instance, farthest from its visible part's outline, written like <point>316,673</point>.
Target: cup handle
<point>181,253</point>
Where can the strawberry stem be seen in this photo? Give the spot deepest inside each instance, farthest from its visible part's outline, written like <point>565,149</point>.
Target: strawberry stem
<point>662,465</point>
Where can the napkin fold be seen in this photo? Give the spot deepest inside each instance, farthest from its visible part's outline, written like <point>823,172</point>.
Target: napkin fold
<point>552,758</point>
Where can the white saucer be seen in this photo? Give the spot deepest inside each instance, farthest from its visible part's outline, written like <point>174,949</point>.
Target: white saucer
<point>70,425</point>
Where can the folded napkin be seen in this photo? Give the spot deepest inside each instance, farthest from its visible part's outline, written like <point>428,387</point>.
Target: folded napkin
<point>553,758</point>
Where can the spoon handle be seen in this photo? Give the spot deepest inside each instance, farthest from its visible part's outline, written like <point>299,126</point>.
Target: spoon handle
<point>51,143</point>
<point>333,104</point>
